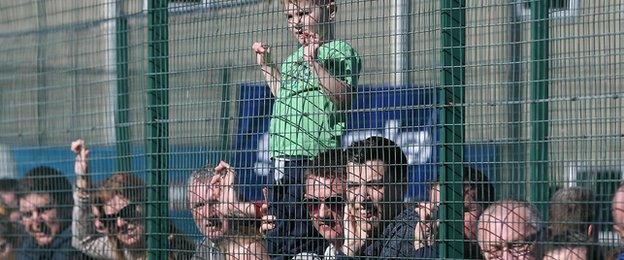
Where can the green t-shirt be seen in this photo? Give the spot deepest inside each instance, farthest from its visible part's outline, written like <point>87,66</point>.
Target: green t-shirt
<point>305,122</point>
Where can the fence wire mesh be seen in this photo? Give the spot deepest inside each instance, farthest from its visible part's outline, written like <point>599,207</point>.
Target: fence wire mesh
<point>311,129</point>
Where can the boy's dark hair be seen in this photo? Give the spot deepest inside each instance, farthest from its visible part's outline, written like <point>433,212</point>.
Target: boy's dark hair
<point>47,180</point>
<point>572,209</point>
<point>476,180</point>
<point>385,150</point>
<point>479,182</point>
<point>327,164</point>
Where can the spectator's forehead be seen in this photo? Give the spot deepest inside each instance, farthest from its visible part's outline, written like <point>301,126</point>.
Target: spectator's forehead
<point>320,187</point>
<point>34,200</point>
<point>618,207</point>
<point>365,172</point>
<point>295,6</point>
<point>115,204</point>
<point>199,190</point>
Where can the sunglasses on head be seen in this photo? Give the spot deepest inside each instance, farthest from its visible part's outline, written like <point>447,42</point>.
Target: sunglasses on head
<point>314,204</point>
<point>128,213</point>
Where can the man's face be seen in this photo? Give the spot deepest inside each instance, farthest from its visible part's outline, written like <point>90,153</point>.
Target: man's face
<point>324,199</point>
<point>209,220</point>
<point>472,212</point>
<point>618,214</point>
<point>306,16</point>
<point>507,235</point>
<point>124,220</point>
<point>10,200</point>
<point>567,253</point>
<point>472,209</point>
<point>39,218</point>
<point>366,193</point>
<point>97,220</point>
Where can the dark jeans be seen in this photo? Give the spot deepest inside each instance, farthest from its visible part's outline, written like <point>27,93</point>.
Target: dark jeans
<point>293,231</point>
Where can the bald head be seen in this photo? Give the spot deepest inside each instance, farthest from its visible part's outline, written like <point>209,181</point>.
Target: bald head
<point>509,229</point>
<point>617,209</point>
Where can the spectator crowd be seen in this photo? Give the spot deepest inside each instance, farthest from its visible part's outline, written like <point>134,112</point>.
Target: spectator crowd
<point>351,199</point>
<point>321,202</point>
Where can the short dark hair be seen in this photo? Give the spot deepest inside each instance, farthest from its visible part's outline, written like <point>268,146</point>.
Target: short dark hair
<point>385,150</point>
<point>572,209</point>
<point>328,164</point>
<point>47,180</point>
<point>44,180</point>
<point>479,182</point>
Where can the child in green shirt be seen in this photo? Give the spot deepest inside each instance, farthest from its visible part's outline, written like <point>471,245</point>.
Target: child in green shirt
<point>311,85</point>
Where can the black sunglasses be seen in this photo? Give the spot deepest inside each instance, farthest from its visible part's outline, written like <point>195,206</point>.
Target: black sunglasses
<point>128,213</point>
<point>314,204</point>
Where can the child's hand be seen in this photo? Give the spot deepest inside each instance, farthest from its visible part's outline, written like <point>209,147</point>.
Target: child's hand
<point>263,54</point>
<point>310,45</point>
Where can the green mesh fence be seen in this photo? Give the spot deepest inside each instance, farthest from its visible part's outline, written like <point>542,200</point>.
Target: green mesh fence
<point>311,129</point>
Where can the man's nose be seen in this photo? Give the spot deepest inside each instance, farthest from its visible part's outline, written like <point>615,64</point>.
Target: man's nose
<point>36,216</point>
<point>297,22</point>
<point>323,211</point>
<point>120,222</point>
<point>361,195</point>
<point>506,255</point>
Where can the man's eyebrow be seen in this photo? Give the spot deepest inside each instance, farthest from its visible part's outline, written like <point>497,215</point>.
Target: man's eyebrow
<point>371,182</point>
<point>198,204</point>
<point>308,196</point>
<point>527,239</point>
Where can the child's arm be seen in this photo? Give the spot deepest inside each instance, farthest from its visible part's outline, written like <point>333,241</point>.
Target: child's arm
<point>335,89</point>
<point>269,70</point>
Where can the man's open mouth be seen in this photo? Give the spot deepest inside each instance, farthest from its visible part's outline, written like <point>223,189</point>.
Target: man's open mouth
<point>214,222</point>
<point>44,230</point>
<point>127,231</point>
<point>368,210</point>
<point>328,222</point>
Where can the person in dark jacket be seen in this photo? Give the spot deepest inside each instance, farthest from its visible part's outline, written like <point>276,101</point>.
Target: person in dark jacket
<point>45,205</point>
<point>376,223</point>
<point>478,195</point>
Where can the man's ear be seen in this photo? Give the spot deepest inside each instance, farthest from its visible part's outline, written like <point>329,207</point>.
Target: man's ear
<point>618,229</point>
<point>590,230</point>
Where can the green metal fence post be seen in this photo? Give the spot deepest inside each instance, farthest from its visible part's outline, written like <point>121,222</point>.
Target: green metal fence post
<point>157,129</point>
<point>539,105</point>
<point>42,44</point>
<point>225,113</point>
<point>122,129</point>
<point>451,100</point>
<point>513,175</point>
